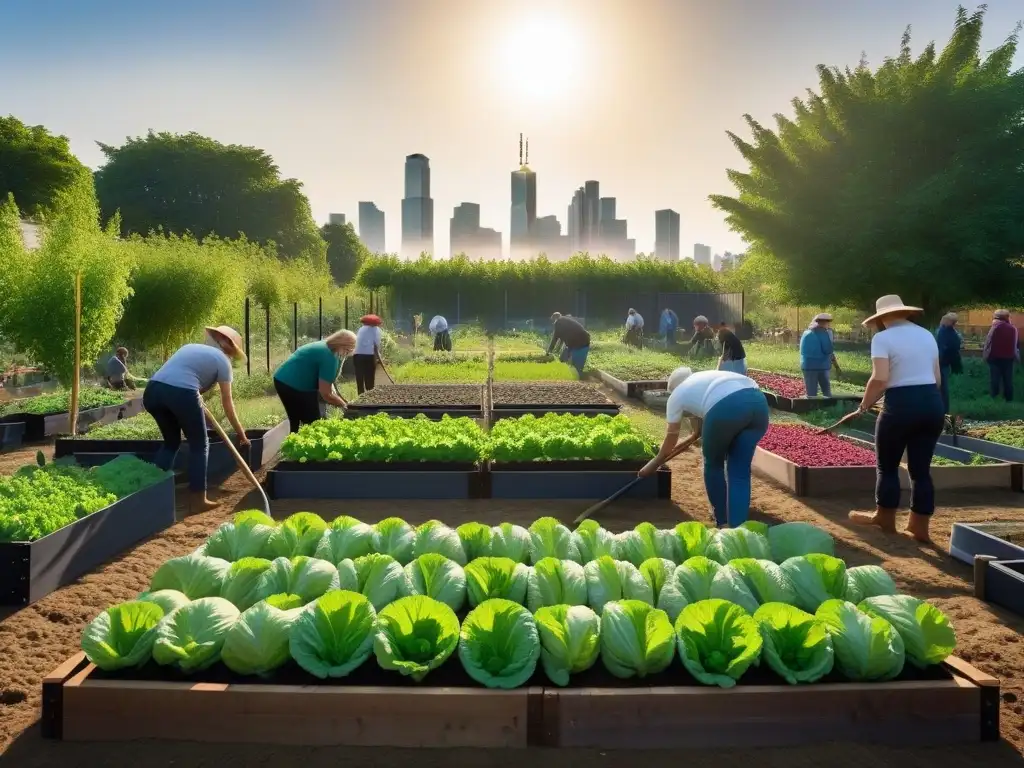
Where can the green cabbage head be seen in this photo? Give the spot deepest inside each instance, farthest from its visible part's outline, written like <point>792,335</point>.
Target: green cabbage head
<point>751,583</point>
<point>434,536</point>
<point>257,644</point>
<point>644,542</point>
<point>380,578</point>
<point>415,635</point>
<point>718,641</point>
<point>123,635</point>
<point>927,635</point>
<point>691,539</point>
<point>734,543</point>
<point>816,578</point>
<point>334,634</point>
<point>866,581</point>
<point>243,583</point>
<point>549,538</point>
<point>797,645</point>
<point>636,639</point>
<point>167,599</point>
<point>476,540</point>
<point>609,580</point>
<point>307,577</point>
<point>298,534</point>
<point>797,538</point>
<point>193,575</point>
<point>570,640</point>
<point>689,583</point>
<point>395,537</point>
<point>868,648</point>
<point>232,542</point>
<point>438,577</point>
<point>512,541</point>
<point>192,637</point>
<point>555,582</point>
<point>496,577</point>
<point>499,645</point>
<point>592,541</point>
<point>345,539</point>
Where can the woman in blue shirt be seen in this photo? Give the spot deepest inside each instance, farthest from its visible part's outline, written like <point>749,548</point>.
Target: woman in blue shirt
<point>949,341</point>
<point>308,376</point>
<point>816,356</point>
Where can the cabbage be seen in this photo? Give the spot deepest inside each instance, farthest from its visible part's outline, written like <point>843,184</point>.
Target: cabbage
<point>347,576</point>
<point>434,536</point>
<point>636,639</point>
<point>733,543</point>
<point>191,638</point>
<point>729,585</point>
<point>307,577</point>
<point>718,641</point>
<point>570,640</point>
<point>499,644</point>
<point>927,634</point>
<point>555,582</point>
<point>415,635</point>
<point>167,599</point>
<point>797,645</point>
<point>761,529</point>
<point>592,541</point>
<point>334,634</point>
<point>380,578</point>
<point>476,540</point>
<point>764,580</point>
<point>193,575</point>
<point>867,581</point>
<point>438,577</point>
<point>691,539</point>
<point>549,538</point>
<point>794,539</point>
<point>609,580</point>
<point>393,536</point>
<point>689,583</point>
<point>254,517</point>
<point>242,585</point>
<point>656,572</point>
<point>232,542</point>
<point>644,542</point>
<point>815,578</point>
<point>513,541</point>
<point>866,647</point>
<point>123,635</point>
<point>345,539</point>
<point>257,644</point>
<point>298,534</point>
<point>496,577</point>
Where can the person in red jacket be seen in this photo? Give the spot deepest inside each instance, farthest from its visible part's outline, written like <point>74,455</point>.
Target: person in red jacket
<point>1001,352</point>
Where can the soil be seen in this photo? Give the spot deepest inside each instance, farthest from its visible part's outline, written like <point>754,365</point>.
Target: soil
<point>36,639</point>
<point>423,394</point>
<point>569,393</point>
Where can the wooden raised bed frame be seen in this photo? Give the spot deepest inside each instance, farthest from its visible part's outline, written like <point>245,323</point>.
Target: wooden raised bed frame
<point>962,708</point>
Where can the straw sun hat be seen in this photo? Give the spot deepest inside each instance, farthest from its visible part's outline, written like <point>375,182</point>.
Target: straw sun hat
<point>231,336</point>
<point>890,305</point>
<point>823,317</point>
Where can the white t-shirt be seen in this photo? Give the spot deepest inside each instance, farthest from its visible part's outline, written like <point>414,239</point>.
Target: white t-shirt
<point>634,321</point>
<point>438,324</point>
<point>702,391</point>
<point>367,337</point>
<point>912,352</point>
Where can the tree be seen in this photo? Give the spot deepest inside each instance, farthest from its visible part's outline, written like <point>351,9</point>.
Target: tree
<point>345,251</point>
<point>13,260</point>
<point>187,183</point>
<point>35,166</point>
<point>903,180</point>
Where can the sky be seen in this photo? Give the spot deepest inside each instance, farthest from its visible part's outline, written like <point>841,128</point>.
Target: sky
<point>637,94</point>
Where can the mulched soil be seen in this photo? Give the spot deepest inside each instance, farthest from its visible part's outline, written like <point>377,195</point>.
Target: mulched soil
<point>423,394</point>
<point>568,393</point>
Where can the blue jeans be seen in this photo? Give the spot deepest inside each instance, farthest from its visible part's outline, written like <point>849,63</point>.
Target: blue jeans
<point>815,379</point>
<point>945,371</point>
<point>736,366</point>
<point>578,358</point>
<point>176,410</point>
<point>732,429</point>
<point>1000,375</point>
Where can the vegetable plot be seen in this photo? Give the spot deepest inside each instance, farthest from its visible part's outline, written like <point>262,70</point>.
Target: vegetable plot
<point>567,437</point>
<point>60,402</point>
<point>808,448</point>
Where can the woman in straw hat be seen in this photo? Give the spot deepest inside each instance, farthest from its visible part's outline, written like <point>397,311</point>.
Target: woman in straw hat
<point>306,378</point>
<point>905,370</point>
<point>173,397</point>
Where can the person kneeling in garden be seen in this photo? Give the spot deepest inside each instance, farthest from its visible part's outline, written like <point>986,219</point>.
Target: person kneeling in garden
<point>306,379</point>
<point>702,343</point>
<point>117,371</point>
<point>174,398</point>
<point>729,413</point>
<point>575,338</point>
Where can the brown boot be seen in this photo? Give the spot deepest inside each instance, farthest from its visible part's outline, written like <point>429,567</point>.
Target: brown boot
<point>917,528</point>
<point>882,518</point>
<point>198,503</point>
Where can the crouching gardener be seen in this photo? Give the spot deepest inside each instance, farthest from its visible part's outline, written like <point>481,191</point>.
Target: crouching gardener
<point>575,338</point>
<point>117,371</point>
<point>306,379</point>
<point>730,414</point>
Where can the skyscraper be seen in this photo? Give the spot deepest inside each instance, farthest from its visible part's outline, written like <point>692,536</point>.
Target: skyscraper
<point>336,218</point>
<point>593,227</point>
<point>548,238</point>
<point>469,238</point>
<point>371,227</point>
<point>417,208</point>
<point>666,235</point>
<point>524,206</point>
<point>702,254</point>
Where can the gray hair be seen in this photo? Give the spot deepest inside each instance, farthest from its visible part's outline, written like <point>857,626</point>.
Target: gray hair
<point>1001,314</point>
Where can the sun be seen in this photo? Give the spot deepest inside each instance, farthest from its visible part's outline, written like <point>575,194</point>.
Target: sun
<point>539,58</point>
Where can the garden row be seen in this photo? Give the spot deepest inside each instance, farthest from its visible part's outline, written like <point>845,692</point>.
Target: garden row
<point>35,418</point>
<point>751,614</point>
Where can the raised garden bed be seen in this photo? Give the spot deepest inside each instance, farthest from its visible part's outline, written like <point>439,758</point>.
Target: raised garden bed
<point>594,479</point>
<point>39,426</point>
<point>512,400</point>
<point>12,433</point>
<point>31,570</point>
<point>1000,582</point>
<point>787,393</point>
<point>631,388</point>
<point>432,400</point>
<point>374,480</point>
<point>1003,541</point>
<point>808,464</point>
<point>985,447</point>
<point>954,703</point>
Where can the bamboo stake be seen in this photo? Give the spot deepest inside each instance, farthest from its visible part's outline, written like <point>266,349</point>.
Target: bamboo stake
<point>73,407</point>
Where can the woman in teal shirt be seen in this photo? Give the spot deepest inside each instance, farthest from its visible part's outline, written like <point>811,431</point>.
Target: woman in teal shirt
<point>308,376</point>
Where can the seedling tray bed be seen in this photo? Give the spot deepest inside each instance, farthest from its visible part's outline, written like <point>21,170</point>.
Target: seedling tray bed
<point>31,570</point>
<point>570,394</point>
<point>374,480</point>
<point>631,388</point>
<point>954,703</point>
<point>1003,541</point>
<point>572,480</point>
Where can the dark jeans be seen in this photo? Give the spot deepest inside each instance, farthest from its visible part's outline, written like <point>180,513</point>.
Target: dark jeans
<point>732,429</point>
<point>910,423</point>
<point>176,410</point>
<point>443,342</point>
<point>366,371</point>
<point>1000,377</point>
<point>300,407</point>
<point>945,371</point>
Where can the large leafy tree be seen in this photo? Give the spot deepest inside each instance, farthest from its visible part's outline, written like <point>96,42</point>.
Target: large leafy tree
<point>36,166</point>
<point>908,179</point>
<point>345,251</point>
<point>187,183</point>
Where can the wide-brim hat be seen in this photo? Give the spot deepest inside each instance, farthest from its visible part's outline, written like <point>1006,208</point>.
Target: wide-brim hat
<point>231,336</point>
<point>823,317</point>
<point>891,305</point>
<point>370,320</point>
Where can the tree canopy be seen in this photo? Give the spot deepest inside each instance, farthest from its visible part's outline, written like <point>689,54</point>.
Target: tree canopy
<point>188,183</point>
<point>908,179</point>
<point>345,251</point>
<point>36,166</point>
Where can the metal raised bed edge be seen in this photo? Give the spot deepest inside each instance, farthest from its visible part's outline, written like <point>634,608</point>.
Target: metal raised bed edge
<point>374,480</point>
<point>31,570</point>
<point>1000,582</point>
<point>12,433</point>
<point>40,426</point>
<point>631,388</point>
<point>962,708</point>
<point>571,480</point>
<point>968,540</point>
<point>987,448</point>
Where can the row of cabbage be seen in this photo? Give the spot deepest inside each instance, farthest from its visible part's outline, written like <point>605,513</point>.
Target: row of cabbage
<point>254,614</point>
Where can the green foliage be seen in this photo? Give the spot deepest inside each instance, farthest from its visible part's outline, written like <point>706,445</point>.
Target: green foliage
<point>190,183</point>
<point>60,402</point>
<point>345,251</point>
<point>263,413</point>
<point>452,369</point>
<point>907,179</point>
<point>13,260</point>
<point>36,167</point>
<point>567,436</point>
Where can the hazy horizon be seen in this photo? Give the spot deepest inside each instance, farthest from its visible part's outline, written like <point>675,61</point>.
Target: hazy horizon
<point>635,95</point>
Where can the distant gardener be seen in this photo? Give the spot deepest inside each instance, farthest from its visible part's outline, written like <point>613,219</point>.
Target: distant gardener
<point>306,378</point>
<point>1001,351</point>
<point>816,356</point>
<point>702,343</point>
<point>634,329</point>
<point>367,352</point>
<point>668,325</point>
<point>117,370</point>
<point>734,357</point>
<point>575,338</point>
<point>442,338</point>
<point>950,342</point>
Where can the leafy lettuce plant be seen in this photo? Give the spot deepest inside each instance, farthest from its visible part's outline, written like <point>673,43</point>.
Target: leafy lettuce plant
<point>762,580</point>
<point>644,542</point>
<point>927,635</point>
<point>395,537</point>
<point>123,635</point>
<point>609,580</point>
<point>415,635</point>
<point>232,542</point>
<point>345,539</point>
<point>476,540</point>
<point>257,643</point>
<point>307,577</point>
<point>380,578</point>
<point>549,538</point>
<point>434,536</point>
<point>797,645</point>
<point>690,583</point>
<point>570,640</point>
<point>657,571</point>
<point>555,582</point>
<point>243,583</point>
<point>437,577</point>
<point>816,578</point>
<point>718,641</point>
<point>798,538</point>
<point>636,639</point>
<point>192,637</point>
<point>512,541</point>
<point>499,644</point>
<point>333,635</point>
<point>298,534</point>
<point>691,539</point>
<point>734,543</point>
<point>592,541</point>
<point>865,581</point>
<point>194,575</point>
<point>867,648</point>
<point>167,599</point>
<point>496,577</point>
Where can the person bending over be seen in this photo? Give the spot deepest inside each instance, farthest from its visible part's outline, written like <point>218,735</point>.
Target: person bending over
<point>305,381</point>
<point>575,338</point>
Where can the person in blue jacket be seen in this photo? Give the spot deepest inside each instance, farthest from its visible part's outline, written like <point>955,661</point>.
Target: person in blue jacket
<point>668,325</point>
<point>950,341</point>
<point>816,356</point>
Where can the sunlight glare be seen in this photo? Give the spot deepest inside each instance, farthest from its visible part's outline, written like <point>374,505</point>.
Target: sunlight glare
<point>539,57</point>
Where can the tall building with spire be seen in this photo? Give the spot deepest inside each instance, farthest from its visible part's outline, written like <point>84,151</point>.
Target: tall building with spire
<point>524,207</point>
<point>417,208</point>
